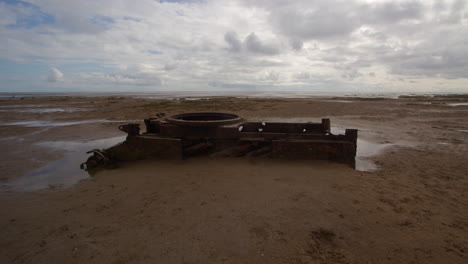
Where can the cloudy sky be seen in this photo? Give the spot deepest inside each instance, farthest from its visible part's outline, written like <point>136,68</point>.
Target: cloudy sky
<point>209,45</point>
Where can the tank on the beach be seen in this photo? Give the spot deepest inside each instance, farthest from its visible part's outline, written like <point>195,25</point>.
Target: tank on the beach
<point>227,135</point>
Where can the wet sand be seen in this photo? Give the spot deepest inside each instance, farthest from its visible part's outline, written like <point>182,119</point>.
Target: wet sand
<point>409,207</point>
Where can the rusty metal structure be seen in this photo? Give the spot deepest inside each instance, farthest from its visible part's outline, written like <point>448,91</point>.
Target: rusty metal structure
<point>226,135</point>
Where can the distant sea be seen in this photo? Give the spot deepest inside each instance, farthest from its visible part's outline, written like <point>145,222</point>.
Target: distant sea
<point>198,94</point>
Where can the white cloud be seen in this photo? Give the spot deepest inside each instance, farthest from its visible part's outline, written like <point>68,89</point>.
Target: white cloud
<point>241,43</point>
<point>54,75</point>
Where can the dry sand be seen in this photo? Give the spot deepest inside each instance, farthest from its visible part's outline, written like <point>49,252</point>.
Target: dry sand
<point>413,209</point>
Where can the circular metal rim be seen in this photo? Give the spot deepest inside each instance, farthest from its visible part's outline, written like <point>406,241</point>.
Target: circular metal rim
<point>175,119</point>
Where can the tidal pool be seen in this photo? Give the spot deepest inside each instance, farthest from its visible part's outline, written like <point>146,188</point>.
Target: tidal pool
<point>365,151</point>
<point>45,110</point>
<point>64,172</point>
<point>39,123</point>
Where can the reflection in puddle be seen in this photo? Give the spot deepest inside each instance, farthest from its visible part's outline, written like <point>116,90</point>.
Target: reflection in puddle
<point>441,110</point>
<point>23,106</point>
<point>45,110</point>
<point>286,120</point>
<point>196,98</point>
<point>337,101</point>
<point>366,150</point>
<point>64,172</point>
<point>22,137</point>
<point>370,149</point>
<point>39,123</point>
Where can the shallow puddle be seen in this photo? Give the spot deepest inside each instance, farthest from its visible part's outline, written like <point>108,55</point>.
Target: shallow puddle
<point>366,150</point>
<point>39,123</point>
<point>24,106</point>
<point>35,108</point>
<point>337,101</point>
<point>196,98</point>
<point>45,110</point>
<point>286,120</point>
<point>23,137</point>
<point>64,172</point>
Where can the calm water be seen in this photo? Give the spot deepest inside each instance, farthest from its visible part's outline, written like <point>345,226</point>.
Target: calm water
<point>236,93</point>
<point>64,172</point>
<point>365,151</point>
<point>39,123</point>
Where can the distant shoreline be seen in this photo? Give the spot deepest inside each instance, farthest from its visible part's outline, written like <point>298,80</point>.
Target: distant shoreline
<point>243,94</point>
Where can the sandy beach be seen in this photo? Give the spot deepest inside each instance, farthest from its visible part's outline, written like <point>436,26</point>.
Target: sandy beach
<point>406,202</point>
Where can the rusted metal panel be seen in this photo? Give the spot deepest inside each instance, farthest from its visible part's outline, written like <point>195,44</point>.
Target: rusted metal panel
<point>228,135</point>
<point>131,129</point>
<point>142,147</point>
<point>286,128</point>
<point>340,151</point>
<point>326,125</point>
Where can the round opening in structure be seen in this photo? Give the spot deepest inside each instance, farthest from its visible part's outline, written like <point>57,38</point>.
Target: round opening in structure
<point>204,119</point>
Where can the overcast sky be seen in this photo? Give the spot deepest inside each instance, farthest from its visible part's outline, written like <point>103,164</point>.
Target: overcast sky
<point>311,45</point>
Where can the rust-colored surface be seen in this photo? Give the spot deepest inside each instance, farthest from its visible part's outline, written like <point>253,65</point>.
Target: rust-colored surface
<point>228,135</point>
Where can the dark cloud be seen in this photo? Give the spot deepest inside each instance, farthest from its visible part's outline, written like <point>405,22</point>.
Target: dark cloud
<point>253,44</point>
<point>170,66</point>
<point>450,13</point>
<point>445,63</point>
<point>270,42</point>
<point>411,38</point>
<point>232,39</point>
<point>351,75</point>
<point>296,44</point>
<point>439,53</point>
<point>391,12</point>
<point>315,23</point>
<point>302,76</point>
